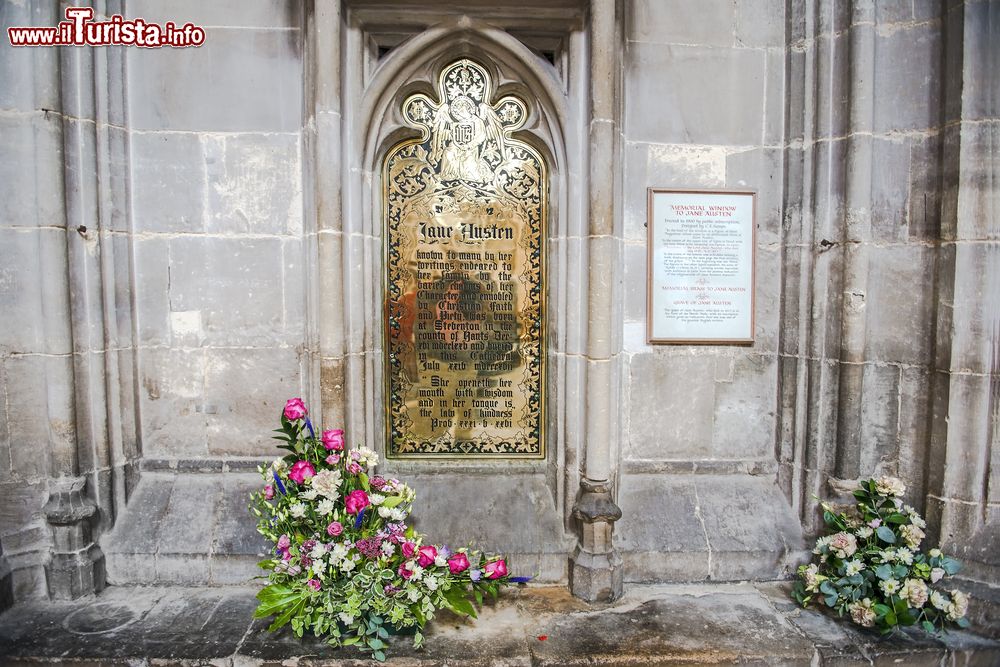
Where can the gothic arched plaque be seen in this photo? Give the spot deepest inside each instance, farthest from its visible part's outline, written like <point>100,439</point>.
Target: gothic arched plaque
<point>465,216</point>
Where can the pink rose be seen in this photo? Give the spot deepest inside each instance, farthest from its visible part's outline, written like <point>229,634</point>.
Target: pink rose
<point>496,569</point>
<point>354,468</point>
<point>427,556</point>
<point>268,492</point>
<point>334,529</point>
<point>333,459</point>
<point>356,501</point>
<point>313,584</point>
<point>408,549</point>
<point>301,470</point>
<point>404,571</point>
<point>333,438</point>
<point>458,563</point>
<point>295,409</point>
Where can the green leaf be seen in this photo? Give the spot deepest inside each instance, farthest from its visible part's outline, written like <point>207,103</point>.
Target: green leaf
<point>418,639</point>
<point>827,587</point>
<point>884,571</point>
<point>950,565</point>
<point>830,600</point>
<point>881,610</point>
<point>896,518</point>
<point>392,501</point>
<point>378,656</point>
<point>860,495</point>
<point>455,597</point>
<point>287,615</point>
<point>266,564</point>
<point>962,622</point>
<point>886,535</point>
<point>364,481</point>
<point>376,644</point>
<point>928,627</point>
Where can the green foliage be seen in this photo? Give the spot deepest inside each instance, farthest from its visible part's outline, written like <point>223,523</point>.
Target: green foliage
<point>869,566</point>
<point>353,574</point>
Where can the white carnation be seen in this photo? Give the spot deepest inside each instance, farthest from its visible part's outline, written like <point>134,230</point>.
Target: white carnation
<point>327,483</point>
<point>298,510</point>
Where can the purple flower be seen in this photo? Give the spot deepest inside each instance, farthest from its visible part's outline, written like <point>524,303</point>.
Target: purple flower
<point>475,575</point>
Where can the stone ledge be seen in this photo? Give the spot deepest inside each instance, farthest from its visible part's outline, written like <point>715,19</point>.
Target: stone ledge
<point>537,626</point>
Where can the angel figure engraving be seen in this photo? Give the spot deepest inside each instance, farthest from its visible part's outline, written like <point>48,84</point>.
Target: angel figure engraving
<point>468,135</point>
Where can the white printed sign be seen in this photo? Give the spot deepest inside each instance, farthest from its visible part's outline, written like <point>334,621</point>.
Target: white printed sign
<point>701,266</point>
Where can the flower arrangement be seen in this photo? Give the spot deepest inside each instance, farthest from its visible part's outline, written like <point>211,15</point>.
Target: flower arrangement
<point>870,566</point>
<point>346,566</point>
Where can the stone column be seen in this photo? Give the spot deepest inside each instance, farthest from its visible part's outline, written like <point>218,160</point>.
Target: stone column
<point>596,568</point>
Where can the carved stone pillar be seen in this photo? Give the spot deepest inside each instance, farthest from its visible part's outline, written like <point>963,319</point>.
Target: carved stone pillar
<point>596,568</point>
<point>76,567</point>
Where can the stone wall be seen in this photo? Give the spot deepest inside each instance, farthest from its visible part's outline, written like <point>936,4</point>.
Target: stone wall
<point>190,236</point>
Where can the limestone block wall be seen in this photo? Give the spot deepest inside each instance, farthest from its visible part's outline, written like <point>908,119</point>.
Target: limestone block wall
<point>187,237</point>
<point>216,203</point>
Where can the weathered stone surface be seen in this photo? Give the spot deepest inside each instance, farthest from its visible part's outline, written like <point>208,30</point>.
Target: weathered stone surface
<point>675,78</point>
<point>907,92</point>
<point>164,165</point>
<point>673,424</point>
<point>679,22</point>
<point>255,14</point>
<point>651,625</point>
<point>253,183</point>
<point>254,83</point>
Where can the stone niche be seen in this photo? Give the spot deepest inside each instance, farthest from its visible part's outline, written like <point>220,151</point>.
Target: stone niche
<point>436,111</point>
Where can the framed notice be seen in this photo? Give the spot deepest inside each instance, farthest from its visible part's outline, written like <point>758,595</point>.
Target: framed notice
<point>701,266</point>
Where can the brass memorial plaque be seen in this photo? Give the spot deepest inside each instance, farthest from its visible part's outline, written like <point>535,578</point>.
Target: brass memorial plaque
<point>465,214</point>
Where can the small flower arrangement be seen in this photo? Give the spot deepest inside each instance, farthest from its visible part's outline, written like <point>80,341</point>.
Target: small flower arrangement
<point>871,566</point>
<point>346,566</point>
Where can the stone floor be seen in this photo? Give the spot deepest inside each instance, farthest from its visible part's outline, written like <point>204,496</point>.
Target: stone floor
<point>652,625</point>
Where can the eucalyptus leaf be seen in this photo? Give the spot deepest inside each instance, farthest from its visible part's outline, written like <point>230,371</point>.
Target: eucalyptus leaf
<point>886,535</point>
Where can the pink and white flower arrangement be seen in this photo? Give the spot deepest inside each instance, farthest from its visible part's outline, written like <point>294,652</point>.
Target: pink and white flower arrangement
<point>870,566</point>
<point>346,566</point>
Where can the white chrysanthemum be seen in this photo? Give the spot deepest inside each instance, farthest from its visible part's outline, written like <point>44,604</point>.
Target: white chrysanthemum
<point>418,573</point>
<point>887,556</point>
<point>890,486</point>
<point>904,556</point>
<point>298,510</point>
<point>384,512</point>
<point>376,498</point>
<point>347,565</point>
<point>912,535</point>
<point>309,494</point>
<point>854,567</point>
<point>864,532</point>
<point>940,601</point>
<point>959,605</point>
<point>918,521</point>
<point>915,591</point>
<point>862,613</point>
<point>889,586</point>
<point>318,551</point>
<point>843,545</point>
<point>325,507</point>
<point>327,483</point>
<point>318,566</point>
<point>821,543</point>
<point>431,583</point>
<point>367,456</point>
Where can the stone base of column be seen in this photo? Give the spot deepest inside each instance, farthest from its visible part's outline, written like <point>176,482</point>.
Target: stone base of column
<point>595,572</point>
<point>76,567</point>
